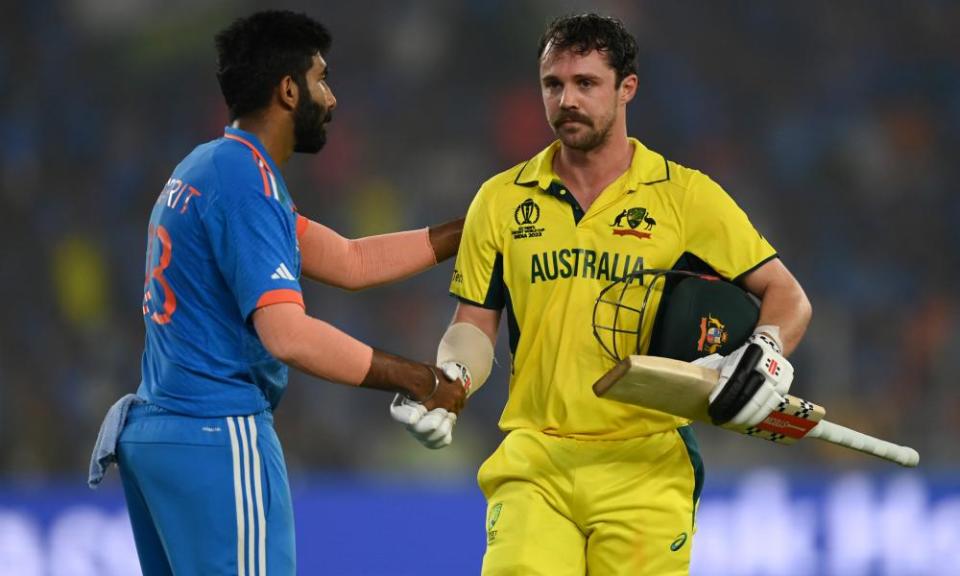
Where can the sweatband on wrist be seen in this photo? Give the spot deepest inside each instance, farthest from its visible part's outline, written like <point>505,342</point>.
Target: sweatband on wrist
<point>464,343</point>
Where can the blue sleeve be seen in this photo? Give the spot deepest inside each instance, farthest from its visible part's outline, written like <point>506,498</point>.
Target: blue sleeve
<point>253,239</point>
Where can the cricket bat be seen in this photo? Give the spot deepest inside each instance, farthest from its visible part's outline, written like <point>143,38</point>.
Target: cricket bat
<point>683,389</point>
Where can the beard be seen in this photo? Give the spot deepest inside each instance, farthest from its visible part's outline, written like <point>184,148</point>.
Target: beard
<point>309,124</point>
<point>589,137</point>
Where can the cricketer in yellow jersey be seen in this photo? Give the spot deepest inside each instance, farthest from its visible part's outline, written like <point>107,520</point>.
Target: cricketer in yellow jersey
<point>582,485</point>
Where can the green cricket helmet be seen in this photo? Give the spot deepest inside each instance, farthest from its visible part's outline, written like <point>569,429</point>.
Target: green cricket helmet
<point>699,314</point>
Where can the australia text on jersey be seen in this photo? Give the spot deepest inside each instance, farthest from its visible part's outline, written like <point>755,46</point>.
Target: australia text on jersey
<point>583,263</point>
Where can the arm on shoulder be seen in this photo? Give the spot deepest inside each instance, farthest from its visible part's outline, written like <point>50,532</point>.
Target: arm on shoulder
<point>328,257</point>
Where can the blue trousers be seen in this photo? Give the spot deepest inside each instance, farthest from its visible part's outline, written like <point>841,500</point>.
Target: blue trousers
<point>207,495</point>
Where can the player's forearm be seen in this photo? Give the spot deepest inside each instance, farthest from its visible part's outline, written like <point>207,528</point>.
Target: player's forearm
<point>313,346</point>
<point>387,258</point>
<point>487,321</point>
<point>397,374</point>
<point>445,239</point>
<point>321,350</point>
<point>468,343</point>
<point>330,354</point>
<point>784,304</point>
<point>366,262</point>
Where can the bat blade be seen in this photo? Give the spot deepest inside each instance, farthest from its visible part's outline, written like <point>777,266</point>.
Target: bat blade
<point>682,389</point>
<point>663,384</point>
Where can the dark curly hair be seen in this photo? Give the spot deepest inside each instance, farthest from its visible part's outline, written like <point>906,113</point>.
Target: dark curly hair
<point>256,52</point>
<point>583,33</point>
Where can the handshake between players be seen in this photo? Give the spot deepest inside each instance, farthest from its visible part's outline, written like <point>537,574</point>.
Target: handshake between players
<point>465,355</point>
<point>754,379</point>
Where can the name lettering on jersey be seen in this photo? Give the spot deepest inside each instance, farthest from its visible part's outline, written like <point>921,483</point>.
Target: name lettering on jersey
<point>583,263</point>
<point>526,216</point>
<point>627,222</point>
<point>177,194</point>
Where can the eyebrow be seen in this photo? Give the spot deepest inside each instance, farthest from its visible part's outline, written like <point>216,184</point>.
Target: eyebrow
<point>586,76</point>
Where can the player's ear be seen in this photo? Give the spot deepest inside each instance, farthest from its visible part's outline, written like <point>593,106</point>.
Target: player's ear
<point>288,92</point>
<point>628,88</point>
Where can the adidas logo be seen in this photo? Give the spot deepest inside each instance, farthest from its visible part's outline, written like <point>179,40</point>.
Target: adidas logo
<point>282,273</point>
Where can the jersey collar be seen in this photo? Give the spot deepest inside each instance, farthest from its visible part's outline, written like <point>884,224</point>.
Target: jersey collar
<point>646,168</point>
<point>250,139</point>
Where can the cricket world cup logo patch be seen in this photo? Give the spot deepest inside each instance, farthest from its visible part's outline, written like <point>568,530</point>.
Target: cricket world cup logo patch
<point>713,335</point>
<point>526,216</point>
<point>527,213</point>
<point>629,220</point>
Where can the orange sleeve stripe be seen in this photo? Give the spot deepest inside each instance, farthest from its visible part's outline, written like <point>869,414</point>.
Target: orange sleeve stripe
<point>258,159</point>
<point>281,296</point>
<point>302,224</point>
<point>245,142</point>
<point>263,174</point>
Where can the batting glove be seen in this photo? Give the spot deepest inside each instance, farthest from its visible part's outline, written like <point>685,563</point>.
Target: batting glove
<point>432,428</point>
<point>753,381</point>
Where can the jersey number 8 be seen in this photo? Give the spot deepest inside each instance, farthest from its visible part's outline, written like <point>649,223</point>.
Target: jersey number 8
<point>161,316</point>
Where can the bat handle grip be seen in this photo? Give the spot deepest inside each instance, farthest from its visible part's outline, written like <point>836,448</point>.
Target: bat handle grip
<point>837,434</point>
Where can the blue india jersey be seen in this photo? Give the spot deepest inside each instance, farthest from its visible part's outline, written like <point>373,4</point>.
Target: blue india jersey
<point>222,242</point>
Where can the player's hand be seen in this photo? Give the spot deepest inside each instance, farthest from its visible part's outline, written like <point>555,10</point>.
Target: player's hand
<point>432,427</point>
<point>753,381</point>
<point>451,392</point>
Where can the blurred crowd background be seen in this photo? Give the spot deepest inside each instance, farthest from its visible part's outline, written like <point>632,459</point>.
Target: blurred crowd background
<point>835,125</point>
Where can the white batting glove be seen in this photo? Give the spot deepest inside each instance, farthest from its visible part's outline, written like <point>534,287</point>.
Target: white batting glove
<point>433,428</point>
<point>713,361</point>
<point>753,381</point>
<point>406,411</point>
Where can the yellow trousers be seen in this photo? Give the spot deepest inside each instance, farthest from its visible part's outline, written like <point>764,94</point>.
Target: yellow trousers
<point>564,507</point>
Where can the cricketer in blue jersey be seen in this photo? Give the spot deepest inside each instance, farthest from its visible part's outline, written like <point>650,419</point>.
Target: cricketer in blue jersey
<point>235,250</point>
<point>202,468</point>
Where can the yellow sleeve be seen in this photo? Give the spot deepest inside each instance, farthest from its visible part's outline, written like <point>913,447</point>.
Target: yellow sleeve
<point>478,272</point>
<point>718,232</point>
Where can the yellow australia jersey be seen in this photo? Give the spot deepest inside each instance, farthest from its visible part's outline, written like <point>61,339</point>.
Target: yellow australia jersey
<point>529,248</point>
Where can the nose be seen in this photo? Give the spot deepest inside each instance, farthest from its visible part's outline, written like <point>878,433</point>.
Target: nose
<point>568,99</point>
<point>331,100</point>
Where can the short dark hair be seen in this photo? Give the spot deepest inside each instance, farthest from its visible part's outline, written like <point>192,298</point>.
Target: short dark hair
<point>254,53</point>
<point>584,33</point>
